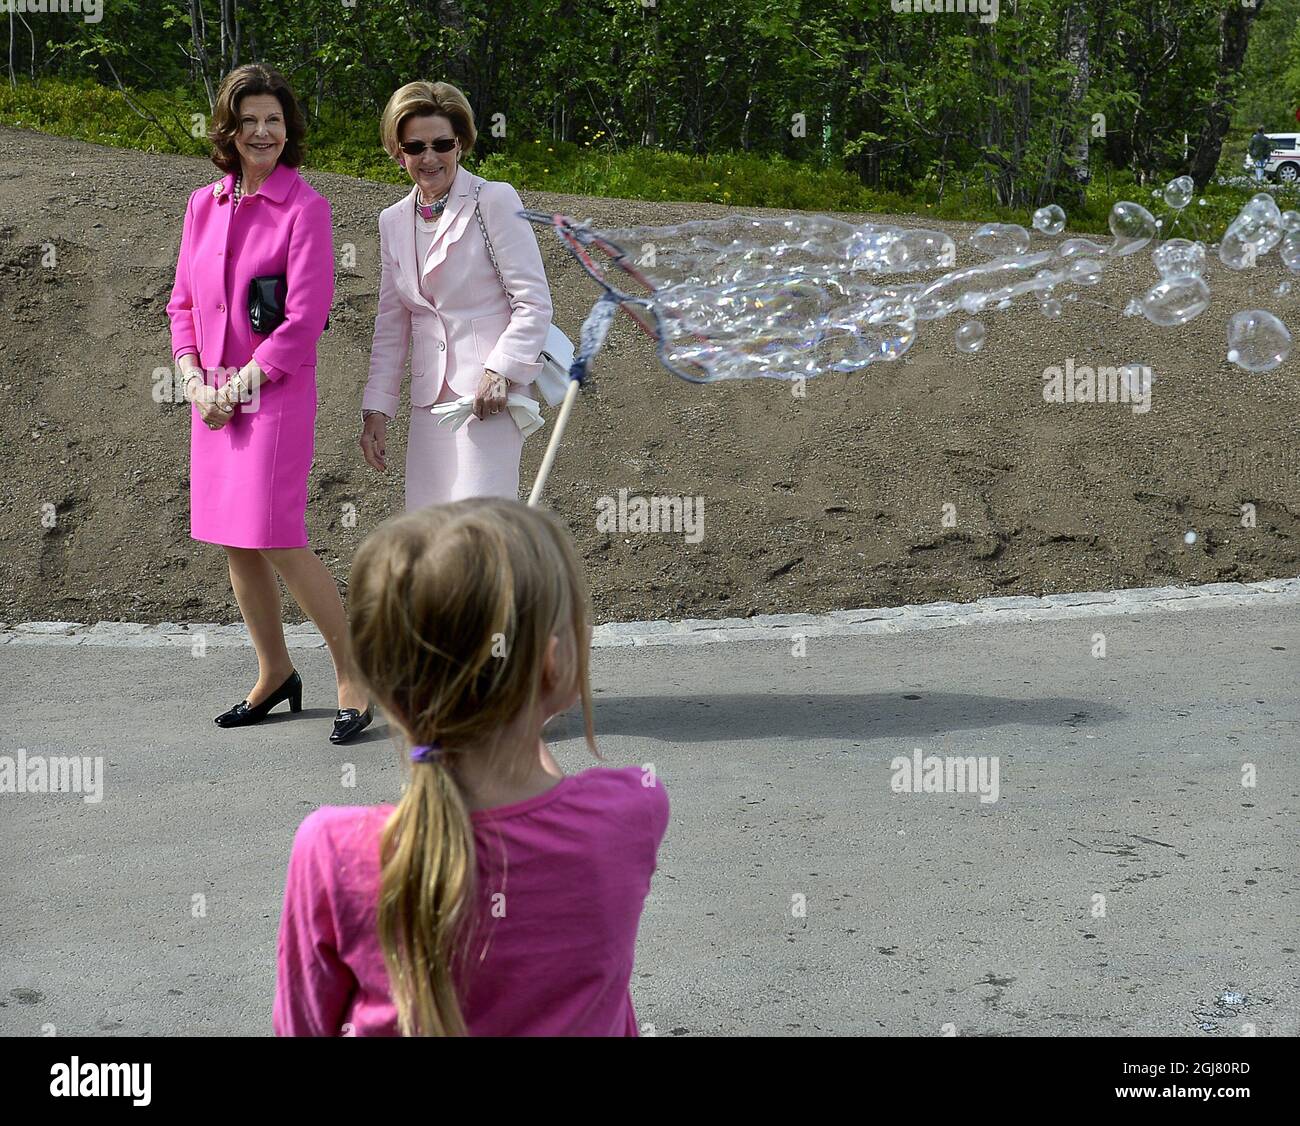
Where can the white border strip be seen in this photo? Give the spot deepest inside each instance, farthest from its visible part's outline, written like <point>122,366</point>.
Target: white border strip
<point>763,627</point>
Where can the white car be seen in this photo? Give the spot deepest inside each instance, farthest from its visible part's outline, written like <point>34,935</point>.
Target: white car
<point>1284,161</point>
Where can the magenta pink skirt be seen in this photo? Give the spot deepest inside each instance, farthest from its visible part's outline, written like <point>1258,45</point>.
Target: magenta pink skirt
<point>248,480</point>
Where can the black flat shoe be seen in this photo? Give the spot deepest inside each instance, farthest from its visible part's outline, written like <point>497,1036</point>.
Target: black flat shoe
<point>241,715</point>
<point>350,722</point>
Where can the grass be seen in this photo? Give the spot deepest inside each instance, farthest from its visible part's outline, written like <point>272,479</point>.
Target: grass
<point>153,121</point>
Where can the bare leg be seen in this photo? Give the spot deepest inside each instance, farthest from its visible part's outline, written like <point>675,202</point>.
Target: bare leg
<point>253,580</point>
<point>311,584</point>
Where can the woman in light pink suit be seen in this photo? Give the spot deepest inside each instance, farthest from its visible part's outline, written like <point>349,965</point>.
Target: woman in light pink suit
<point>254,394</point>
<point>442,303</point>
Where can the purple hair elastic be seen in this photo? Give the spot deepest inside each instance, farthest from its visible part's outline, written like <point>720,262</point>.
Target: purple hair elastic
<point>430,753</point>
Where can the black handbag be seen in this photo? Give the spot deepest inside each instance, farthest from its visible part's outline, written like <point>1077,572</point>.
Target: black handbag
<point>266,304</point>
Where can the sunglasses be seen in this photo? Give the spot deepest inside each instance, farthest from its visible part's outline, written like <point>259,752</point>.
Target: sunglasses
<point>415,148</point>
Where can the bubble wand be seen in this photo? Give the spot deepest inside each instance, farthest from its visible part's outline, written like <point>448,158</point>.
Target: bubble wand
<point>577,237</point>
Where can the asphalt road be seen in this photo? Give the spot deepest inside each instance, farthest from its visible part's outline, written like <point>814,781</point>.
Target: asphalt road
<point>797,892</point>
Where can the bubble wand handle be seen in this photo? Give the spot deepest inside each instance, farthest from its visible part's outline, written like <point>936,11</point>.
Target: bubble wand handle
<point>594,331</point>
<point>561,421</point>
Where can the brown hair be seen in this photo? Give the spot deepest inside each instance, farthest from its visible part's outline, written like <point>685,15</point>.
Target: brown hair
<point>420,99</point>
<point>253,79</point>
<point>452,611</point>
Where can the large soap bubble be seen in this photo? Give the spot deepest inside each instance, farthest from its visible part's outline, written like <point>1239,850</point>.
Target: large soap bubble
<point>1050,219</point>
<point>1179,257</point>
<point>1084,271</point>
<point>1080,247</point>
<point>1178,193</point>
<point>1252,234</point>
<point>1174,301</point>
<point>1133,227</point>
<point>1257,340</point>
<point>1290,251</point>
<point>1000,240</point>
<point>787,298</point>
<point>970,336</point>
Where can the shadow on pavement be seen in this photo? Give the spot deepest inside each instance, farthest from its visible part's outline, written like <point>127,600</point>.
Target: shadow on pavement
<point>695,719</point>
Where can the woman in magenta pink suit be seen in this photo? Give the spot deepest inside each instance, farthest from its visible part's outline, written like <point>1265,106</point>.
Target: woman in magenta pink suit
<point>254,394</point>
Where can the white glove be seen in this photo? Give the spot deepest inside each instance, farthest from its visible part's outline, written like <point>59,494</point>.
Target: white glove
<point>523,410</point>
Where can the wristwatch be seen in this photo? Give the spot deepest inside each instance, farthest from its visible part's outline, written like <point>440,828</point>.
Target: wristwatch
<point>367,412</point>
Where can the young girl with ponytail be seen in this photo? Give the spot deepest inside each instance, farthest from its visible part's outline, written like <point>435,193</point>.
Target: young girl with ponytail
<point>499,896</point>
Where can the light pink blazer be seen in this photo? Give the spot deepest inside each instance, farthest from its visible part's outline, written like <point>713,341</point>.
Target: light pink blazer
<point>460,321</point>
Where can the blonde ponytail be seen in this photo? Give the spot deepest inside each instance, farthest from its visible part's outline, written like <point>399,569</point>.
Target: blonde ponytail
<point>428,874</point>
<point>452,612</point>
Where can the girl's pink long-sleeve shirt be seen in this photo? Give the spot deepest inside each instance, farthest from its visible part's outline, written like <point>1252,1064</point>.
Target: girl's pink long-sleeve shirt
<point>562,880</point>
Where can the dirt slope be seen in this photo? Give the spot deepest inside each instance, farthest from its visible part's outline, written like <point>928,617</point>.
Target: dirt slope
<point>831,501</point>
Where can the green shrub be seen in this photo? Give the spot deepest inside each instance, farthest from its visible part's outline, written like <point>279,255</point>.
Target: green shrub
<point>339,142</point>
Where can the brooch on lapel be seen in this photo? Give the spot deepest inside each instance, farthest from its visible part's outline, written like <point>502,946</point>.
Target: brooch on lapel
<point>218,189</point>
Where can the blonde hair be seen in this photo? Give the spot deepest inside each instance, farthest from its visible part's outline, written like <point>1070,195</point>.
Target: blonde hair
<point>420,99</point>
<point>452,611</point>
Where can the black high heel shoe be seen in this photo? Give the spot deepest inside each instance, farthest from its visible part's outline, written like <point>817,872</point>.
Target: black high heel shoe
<point>241,715</point>
<point>350,722</point>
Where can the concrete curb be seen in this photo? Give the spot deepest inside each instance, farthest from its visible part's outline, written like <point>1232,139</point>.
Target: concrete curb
<point>763,627</point>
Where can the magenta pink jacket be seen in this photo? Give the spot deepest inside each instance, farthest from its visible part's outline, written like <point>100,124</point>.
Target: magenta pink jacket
<point>289,235</point>
<point>450,313</point>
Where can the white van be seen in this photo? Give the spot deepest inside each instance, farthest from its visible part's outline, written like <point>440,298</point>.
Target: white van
<point>1284,161</point>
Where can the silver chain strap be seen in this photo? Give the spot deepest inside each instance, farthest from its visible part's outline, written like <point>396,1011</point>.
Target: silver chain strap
<point>491,253</point>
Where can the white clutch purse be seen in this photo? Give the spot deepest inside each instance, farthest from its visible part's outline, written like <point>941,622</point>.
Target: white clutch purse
<point>557,352</point>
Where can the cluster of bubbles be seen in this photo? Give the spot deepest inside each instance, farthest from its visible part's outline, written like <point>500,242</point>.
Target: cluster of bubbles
<point>746,296</point>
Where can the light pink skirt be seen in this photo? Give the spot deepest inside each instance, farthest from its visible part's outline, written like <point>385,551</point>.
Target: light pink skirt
<point>481,459</point>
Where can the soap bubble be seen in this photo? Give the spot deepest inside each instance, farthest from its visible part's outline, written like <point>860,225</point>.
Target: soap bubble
<point>1179,257</point>
<point>1000,240</point>
<point>1283,289</point>
<point>1133,227</point>
<point>1257,340</point>
<point>970,336</point>
<point>1084,271</point>
<point>1178,193</point>
<point>1290,251</point>
<point>1291,220</point>
<point>1236,253</point>
<point>1189,538</point>
<point>1252,234</point>
<point>1050,219</point>
<point>1076,247</point>
<point>746,297</point>
<point>1174,301</point>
